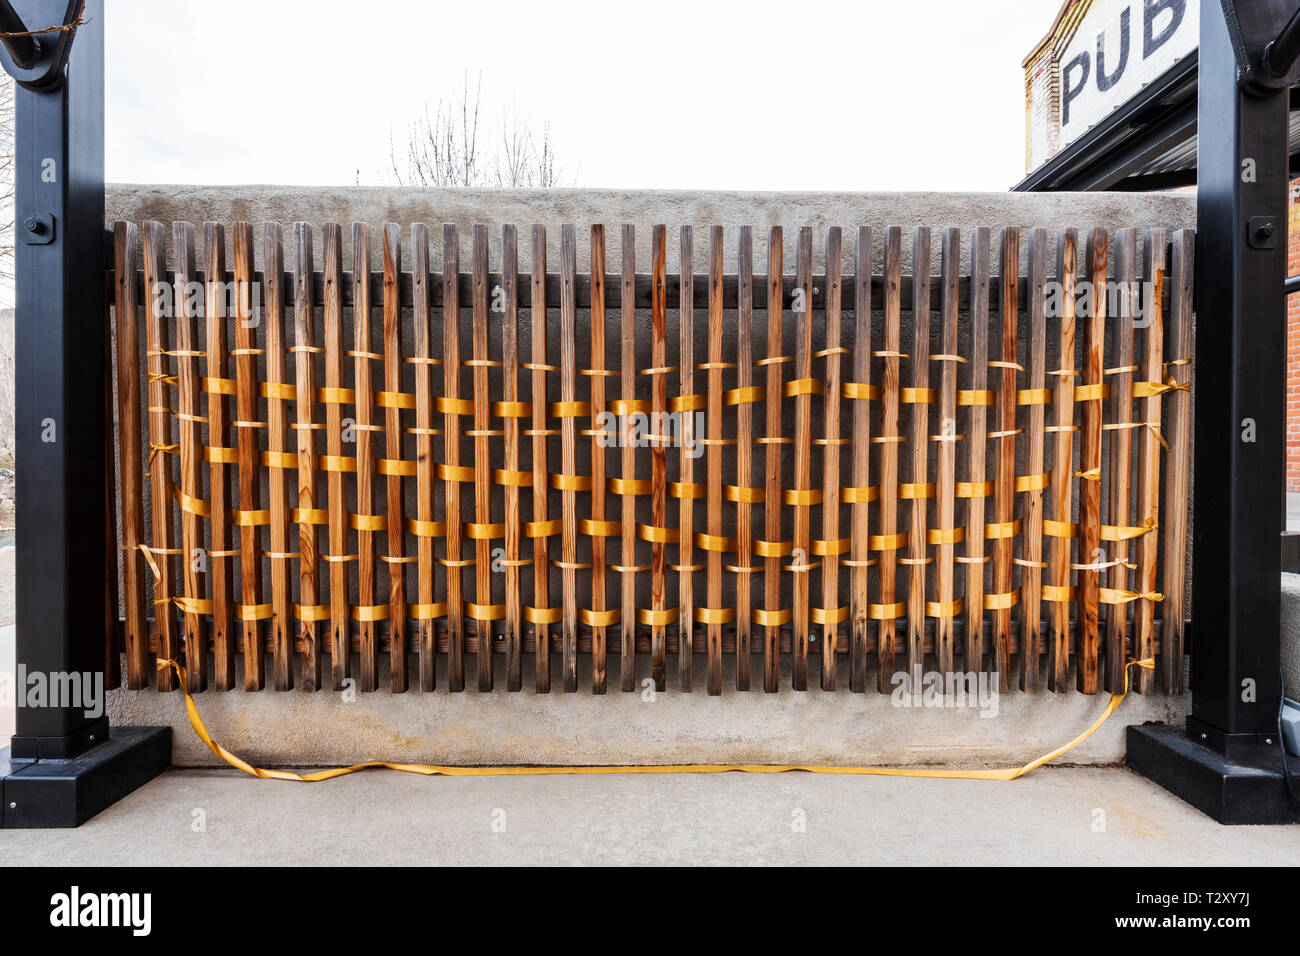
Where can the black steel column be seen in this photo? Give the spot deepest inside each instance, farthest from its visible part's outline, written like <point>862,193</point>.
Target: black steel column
<point>1240,397</point>
<point>1228,761</point>
<point>63,764</point>
<point>59,405</point>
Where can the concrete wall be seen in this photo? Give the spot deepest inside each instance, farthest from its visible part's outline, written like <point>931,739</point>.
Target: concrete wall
<point>844,728</point>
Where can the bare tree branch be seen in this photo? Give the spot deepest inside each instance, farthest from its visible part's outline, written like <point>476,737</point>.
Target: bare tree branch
<point>443,147</point>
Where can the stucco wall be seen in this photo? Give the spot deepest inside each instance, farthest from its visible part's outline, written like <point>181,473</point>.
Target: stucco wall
<point>296,728</point>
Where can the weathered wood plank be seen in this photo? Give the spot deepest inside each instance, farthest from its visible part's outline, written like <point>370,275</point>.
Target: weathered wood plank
<point>1004,598</point>
<point>510,436</point>
<point>279,393</point>
<point>1120,461</point>
<point>715,612</point>
<point>248,428</point>
<point>744,455</point>
<point>686,467</point>
<point>831,613</point>
<point>947,532</point>
<point>599,629</point>
<point>977,447</point>
<point>773,615</point>
<point>919,489</point>
<point>1062,498</point>
<point>307,516</point>
<point>452,470</point>
<point>193,556</point>
<point>1091,554</point>
<point>860,555</point>
<point>220,499</point>
<point>889,540</point>
<point>542,611</point>
<point>125,305</point>
<point>1177,467</point>
<point>1155,258</point>
<point>627,407</point>
<point>395,509</point>
<point>483,531</point>
<point>367,612</point>
<point>428,609</point>
<point>158,309</point>
<point>339,555</point>
<point>801,563</point>
<point>658,460</point>
<point>1034,479</point>
<point>568,479</point>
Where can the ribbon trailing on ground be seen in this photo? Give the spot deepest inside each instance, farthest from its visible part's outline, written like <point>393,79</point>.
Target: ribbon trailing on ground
<point>1010,773</point>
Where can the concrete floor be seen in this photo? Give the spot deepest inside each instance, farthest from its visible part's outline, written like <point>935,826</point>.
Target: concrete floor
<point>1052,817</point>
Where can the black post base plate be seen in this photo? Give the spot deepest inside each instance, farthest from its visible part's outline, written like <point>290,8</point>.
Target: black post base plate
<point>1230,791</point>
<point>67,793</point>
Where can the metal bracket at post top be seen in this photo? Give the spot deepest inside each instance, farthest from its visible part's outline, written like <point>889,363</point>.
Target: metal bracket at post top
<point>38,62</point>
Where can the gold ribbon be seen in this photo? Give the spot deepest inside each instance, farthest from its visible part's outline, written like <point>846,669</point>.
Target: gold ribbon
<point>429,770</point>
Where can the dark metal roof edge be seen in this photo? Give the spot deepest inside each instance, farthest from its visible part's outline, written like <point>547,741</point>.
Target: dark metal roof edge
<point>1058,172</point>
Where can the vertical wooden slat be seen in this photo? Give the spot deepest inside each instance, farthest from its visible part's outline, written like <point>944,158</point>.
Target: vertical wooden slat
<point>1155,252</point>
<point>247,429</point>
<point>125,305</point>
<point>193,561</point>
<point>219,492</point>
<point>1003,597</point>
<point>482,463</point>
<point>686,458</point>
<point>1058,647</point>
<point>802,560</point>
<point>946,459</point>
<point>365,521</point>
<point>541,478</point>
<point>510,395</point>
<point>305,349</point>
<point>860,555</point>
<point>658,454</point>
<point>744,452</point>
<point>716,612</point>
<point>1090,551</point>
<point>773,614</point>
<point>157,309</point>
<point>393,440</point>
<point>1031,574</point>
<point>919,488</point>
<point>1178,435</point>
<point>112,636</point>
<point>830,608</point>
<point>627,408</point>
<point>568,458</point>
<point>599,653</point>
<point>976,446</point>
<point>1120,461</point>
<point>452,466</point>
<point>425,471</point>
<point>889,439</point>
<point>340,617</point>
<point>278,457</point>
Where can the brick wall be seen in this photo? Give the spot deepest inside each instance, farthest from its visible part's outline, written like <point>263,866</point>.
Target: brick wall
<point>1293,346</point>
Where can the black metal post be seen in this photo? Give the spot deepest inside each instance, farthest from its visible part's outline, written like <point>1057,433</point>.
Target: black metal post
<point>1228,761</point>
<point>60,423</point>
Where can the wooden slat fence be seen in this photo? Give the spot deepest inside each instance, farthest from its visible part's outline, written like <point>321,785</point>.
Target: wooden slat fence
<point>984,466</point>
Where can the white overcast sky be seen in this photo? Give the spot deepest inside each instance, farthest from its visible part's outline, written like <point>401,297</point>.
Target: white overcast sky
<point>792,95</point>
